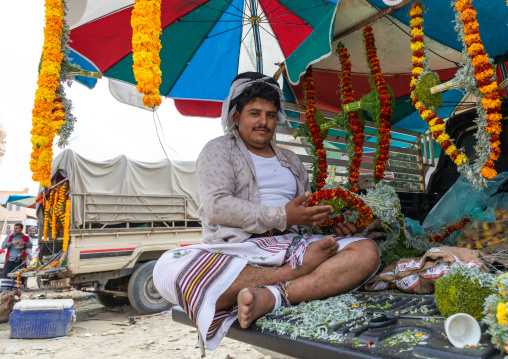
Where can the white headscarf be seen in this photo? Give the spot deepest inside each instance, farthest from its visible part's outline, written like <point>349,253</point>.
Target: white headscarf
<point>240,83</point>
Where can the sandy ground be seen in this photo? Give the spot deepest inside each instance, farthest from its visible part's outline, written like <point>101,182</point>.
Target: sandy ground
<point>105,334</point>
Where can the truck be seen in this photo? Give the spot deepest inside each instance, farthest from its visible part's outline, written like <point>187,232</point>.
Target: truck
<point>123,215</point>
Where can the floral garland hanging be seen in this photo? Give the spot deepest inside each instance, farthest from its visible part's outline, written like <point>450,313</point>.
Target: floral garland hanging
<point>320,166</point>
<point>356,127</point>
<point>339,197</point>
<point>385,98</point>
<point>483,73</point>
<point>47,114</point>
<point>146,45</point>
<point>47,215</point>
<point>482,169</point>
<point>67,225</point>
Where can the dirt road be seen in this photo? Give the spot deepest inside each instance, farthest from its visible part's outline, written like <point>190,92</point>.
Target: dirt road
<point>104,334</point>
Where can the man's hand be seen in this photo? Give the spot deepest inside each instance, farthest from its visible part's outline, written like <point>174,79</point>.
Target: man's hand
<point>349,229</point>
<point>346,228</point>
<point>298,214</point>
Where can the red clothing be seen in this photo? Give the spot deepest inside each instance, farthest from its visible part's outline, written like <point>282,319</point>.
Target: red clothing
<point>25,239</point>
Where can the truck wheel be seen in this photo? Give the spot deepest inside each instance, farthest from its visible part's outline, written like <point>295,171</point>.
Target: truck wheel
<point>142,293</point>
<point>110,301</point>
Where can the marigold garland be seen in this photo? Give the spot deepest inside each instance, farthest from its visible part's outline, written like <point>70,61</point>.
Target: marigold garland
<point>47,114</point>
<point>483,73</point>
<point>436,124</point>
<point>146,45</point>
<point>321,172</point>
<point>47,215</point>
<point>18,277</point>
<point>356,128</point>
<point>383,123</point>
<point>448,231</point>
<point>54,216</point>
<point>67,225</point>
<point>357,203</point>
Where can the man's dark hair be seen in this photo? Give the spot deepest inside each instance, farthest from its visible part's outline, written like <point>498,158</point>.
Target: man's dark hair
<point>258,90</point>
<point>19,225</point>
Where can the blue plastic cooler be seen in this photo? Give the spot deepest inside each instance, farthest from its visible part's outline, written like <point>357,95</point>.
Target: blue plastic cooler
<point>45,318</point>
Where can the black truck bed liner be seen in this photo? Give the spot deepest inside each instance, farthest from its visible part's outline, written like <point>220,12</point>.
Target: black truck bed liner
<point>359,334</point>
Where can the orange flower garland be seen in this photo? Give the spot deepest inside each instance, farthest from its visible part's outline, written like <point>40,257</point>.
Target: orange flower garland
<point>146,45</point>
<point>486,89</point>
<point>61,194</point>
<point>383,126</point>
<point>54,217</point>
<point>18,277</point>
<point>355,202</point>
<point>321,172</point>
<point>47,115</point>
<point>47,215</point>
<point>67,225</point>
<point>448,231</point>
<point>483,73</point>
<point>357,132</point>
<point>436,124</point>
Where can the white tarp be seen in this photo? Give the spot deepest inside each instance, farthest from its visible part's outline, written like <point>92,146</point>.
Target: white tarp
<point>117,186</point>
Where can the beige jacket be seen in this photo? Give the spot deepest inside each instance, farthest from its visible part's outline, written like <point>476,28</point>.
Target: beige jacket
<point>230,210</point>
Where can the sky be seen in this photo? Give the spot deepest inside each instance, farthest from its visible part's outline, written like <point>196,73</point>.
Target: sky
<point>105,129</point>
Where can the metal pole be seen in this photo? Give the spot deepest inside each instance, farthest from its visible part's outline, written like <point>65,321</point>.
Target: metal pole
<point>254,20</point>
<point>5,224</point>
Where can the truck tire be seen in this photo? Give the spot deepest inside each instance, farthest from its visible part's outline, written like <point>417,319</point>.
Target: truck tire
<point>110,301</point>
<point>142,293</point>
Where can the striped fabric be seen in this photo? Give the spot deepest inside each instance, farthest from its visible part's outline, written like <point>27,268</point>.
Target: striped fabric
<point>194,277</point>
<point>7,284</point>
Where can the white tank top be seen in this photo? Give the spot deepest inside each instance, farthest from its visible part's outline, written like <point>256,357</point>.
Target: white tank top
<point>277,185</point>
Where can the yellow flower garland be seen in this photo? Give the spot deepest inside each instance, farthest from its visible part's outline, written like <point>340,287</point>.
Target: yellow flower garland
<point>67,225</point>
<point>483,74</point>
<point>54,217</point>
<point>146,45</point>
<point>45,120</point>
<point>436,124</point>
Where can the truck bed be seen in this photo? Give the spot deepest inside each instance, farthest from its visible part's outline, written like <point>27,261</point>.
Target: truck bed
<point>360,341</point>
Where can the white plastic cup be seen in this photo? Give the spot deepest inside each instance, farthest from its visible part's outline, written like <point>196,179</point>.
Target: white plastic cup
<point>462,330</point>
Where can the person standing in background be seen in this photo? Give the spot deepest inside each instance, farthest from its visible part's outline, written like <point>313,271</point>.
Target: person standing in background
<point>32,235</point>
<point>16,244</point>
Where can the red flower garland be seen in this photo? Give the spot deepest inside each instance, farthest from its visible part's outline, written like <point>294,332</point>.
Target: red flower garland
<point>355,125</point>
<point>315,132</point>
<point>386,105</point>
<point>355,202</point>
<point>450,230</point>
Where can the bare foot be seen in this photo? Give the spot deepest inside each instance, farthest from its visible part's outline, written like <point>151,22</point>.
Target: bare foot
<point>253,303</point>
<point>317,253</point>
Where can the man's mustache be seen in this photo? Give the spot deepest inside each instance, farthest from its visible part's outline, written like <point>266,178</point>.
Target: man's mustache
<point>261,128</point>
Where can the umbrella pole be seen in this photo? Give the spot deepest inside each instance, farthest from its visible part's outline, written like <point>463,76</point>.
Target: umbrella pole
<point>254,20</point>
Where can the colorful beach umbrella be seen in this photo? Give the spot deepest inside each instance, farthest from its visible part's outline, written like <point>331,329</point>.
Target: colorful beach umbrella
<point>393,41</point>
<point>205,44</point>
<point>18,200</point>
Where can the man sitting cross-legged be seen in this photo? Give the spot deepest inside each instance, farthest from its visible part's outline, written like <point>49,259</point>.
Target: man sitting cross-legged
<point>253,194</point>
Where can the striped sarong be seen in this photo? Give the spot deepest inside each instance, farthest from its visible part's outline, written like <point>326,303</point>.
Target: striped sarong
<point>194,277</point>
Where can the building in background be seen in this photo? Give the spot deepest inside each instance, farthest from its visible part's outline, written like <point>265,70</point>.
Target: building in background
<point>12,214</point>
